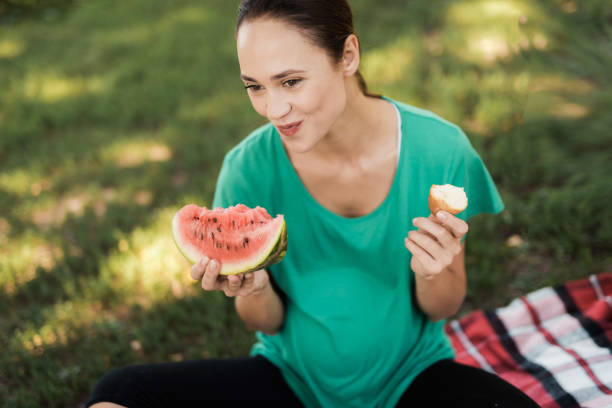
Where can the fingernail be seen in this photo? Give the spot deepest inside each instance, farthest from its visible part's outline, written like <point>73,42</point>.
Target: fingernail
<point>441,215</point>
<point>213,264</point>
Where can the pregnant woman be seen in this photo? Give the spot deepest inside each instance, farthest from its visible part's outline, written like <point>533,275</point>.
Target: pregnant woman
<point>353,315</point>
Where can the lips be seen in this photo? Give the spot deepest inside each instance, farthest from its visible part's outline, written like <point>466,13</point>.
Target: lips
<point>290,128</point>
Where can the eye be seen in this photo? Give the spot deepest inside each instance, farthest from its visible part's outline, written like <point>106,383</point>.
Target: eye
<point>291,83</point>
<point>253,87</point>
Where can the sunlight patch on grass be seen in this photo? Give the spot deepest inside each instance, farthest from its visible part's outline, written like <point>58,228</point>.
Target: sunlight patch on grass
<point>22,258</point>
<point>477,12</point>
<point>53,211</point>
<point>540,41</point>
<point>489,47</point>
<point>390,63</point>
<point>128,154</point>
<point>5,229</point>
<point>11,48</point>
<point>16,182</point>
<point>487,31</point>
<point>569,7</point>
<point>61,321</point>
<point>542,104</point>
<point>146,266</point>
<point>569,110</point>
<point>560,83</point>
<point>51,88</point>
<point>145,269</point>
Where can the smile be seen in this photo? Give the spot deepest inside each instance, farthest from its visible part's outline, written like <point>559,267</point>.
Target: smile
<point>290,129</point>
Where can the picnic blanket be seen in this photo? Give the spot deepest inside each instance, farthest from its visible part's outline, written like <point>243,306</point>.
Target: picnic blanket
<point>555,343</point>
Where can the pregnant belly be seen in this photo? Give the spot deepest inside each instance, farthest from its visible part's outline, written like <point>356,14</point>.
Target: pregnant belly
<point>344,349</point>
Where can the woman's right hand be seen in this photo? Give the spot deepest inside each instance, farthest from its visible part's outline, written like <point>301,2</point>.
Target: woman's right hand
<point>232,285</point>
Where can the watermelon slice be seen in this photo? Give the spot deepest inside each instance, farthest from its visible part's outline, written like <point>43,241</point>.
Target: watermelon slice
<point>240,238</point>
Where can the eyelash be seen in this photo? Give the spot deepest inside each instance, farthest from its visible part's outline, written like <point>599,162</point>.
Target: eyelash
<point>258,87</point>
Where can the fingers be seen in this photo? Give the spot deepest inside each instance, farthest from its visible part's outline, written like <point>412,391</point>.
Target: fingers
<point>209,281</point>
<point>232,285</point>
<point>197,270</point>
<point>421,256</point>
<point>234,282</point>
<point>457,226</point>
<point>249,282</point>
<point>425,242</point>
<point>437,231</point>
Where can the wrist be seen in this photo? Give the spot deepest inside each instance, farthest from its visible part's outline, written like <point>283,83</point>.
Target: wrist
<point>261,285</point>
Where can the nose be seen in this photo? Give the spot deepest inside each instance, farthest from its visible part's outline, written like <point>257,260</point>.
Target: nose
<point>277,107</point>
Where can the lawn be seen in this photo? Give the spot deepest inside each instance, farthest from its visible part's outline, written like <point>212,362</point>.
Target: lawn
<point>115,114</point>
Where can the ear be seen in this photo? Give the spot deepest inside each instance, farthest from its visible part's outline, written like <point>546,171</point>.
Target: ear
<point>350,56</point>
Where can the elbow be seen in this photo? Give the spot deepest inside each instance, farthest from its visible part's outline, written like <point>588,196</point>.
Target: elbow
<point>445,310</point>
<point>266,328</point>
<point>436,317</point>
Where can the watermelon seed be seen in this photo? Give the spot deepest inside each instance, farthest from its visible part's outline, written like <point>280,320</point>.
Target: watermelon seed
<point>212,234</point>
<point>214,219</point>
<point>227,246</point>
<point>233,223</point>
<point>202,236</point>
<point>219,229</point>
<point>252,222</point>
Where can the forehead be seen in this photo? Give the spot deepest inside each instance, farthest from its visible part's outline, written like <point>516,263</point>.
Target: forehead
<point>268,46</point>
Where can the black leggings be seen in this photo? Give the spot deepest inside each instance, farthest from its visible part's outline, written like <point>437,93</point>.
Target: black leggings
<point>191,383</point>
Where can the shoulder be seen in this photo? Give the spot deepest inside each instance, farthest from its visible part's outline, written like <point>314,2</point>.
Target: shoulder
<point>427,131</point>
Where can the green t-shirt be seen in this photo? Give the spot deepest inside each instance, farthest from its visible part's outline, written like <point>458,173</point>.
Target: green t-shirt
<point>354,335</point>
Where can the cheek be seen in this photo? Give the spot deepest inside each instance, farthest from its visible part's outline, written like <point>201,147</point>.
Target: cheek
<point>258,104</point>
<point>329,102</point>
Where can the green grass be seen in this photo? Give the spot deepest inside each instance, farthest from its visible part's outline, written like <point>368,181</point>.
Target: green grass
<point>114,114</point>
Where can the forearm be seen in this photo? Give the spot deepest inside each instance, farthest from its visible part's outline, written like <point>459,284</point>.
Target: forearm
<point>441,296</point>
<point>262,311</point>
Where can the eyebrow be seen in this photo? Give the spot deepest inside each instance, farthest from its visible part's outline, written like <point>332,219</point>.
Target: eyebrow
<point>277,76</point>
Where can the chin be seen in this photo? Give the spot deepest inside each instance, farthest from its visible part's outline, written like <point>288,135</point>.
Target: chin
<point>297,146</point>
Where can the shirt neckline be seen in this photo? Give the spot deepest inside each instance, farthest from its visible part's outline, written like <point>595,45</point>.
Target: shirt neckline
<point>322,209</point>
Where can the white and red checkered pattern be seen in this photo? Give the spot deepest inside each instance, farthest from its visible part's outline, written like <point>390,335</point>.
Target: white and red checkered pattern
<point>555,344</point>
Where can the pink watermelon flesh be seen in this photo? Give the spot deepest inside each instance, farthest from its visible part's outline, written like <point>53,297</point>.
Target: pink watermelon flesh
<point>240,238</point>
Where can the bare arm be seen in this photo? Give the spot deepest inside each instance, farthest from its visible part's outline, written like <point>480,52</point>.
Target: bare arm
<point>441,296</point>
<point>438,262</point>
<point>263,309</point>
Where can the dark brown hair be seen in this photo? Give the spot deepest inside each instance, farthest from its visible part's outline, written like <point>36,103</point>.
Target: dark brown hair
<point>327,23</point>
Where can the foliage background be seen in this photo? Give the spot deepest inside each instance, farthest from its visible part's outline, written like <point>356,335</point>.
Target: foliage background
<point>115,114</point>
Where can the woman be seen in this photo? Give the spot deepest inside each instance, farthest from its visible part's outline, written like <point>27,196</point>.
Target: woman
<point>353,314</point>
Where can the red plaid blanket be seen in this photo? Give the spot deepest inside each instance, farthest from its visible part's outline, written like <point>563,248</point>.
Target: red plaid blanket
<point>555,344</point>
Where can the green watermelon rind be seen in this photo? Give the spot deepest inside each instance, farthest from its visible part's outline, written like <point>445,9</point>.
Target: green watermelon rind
<point>275,255</point>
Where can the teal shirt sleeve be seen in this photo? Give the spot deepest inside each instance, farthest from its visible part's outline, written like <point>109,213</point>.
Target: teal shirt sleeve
<point>469,172</point>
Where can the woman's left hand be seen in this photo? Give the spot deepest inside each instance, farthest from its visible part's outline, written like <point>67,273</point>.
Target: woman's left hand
<point>435,244</point>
